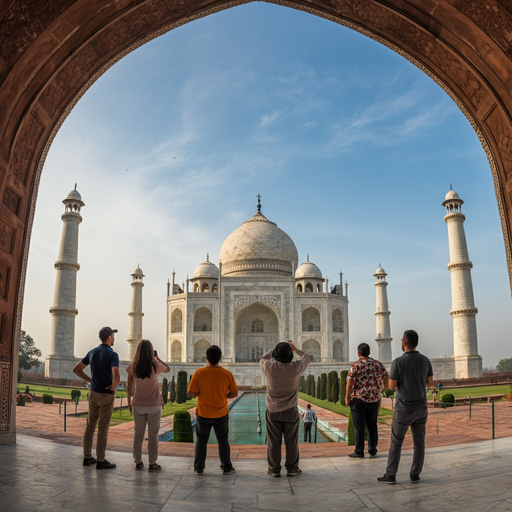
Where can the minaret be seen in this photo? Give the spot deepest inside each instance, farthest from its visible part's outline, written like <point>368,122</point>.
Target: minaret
<point>62,338</point>
<point>135,314</point>
<point>468,363</point>
<point>383,338</point>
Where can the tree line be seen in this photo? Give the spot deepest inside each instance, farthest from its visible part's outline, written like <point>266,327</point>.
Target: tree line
<point>328,386</point>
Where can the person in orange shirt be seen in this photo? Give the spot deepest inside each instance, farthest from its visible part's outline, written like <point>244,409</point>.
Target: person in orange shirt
<point>212,385</point>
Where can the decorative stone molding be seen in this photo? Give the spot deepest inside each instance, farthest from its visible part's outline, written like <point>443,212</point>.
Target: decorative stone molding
<point>209,306</point>
<point>256,265</point>
<point>197,337</point>
<point>306,306</point>
<point>472,311</point>
<point>466,264</point>
<point>270,300</point>
<point>304,338</point>
<point>5,367</point>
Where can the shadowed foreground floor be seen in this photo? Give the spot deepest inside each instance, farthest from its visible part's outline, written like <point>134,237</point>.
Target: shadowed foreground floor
<point>37,475</point>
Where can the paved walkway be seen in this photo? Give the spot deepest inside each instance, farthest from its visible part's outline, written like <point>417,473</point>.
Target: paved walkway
<point>445,427</point>
<point>41,476</point>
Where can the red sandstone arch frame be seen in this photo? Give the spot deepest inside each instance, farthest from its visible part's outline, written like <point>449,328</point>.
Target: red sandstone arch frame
<point>52,51</point>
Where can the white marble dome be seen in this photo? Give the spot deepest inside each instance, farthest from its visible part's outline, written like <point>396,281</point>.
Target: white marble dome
<point>206,270</point>
<point>74,196</point>
<point>451,195</point>
<point>138,272</point>
<point>380,272</point>
<point>258,246</point>
<point>308,270</point>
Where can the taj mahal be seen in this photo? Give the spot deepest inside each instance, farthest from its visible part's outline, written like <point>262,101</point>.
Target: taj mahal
<point>257,296</point>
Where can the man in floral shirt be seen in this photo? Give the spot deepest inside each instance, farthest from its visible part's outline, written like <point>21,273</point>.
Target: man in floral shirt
<point>366,380</point>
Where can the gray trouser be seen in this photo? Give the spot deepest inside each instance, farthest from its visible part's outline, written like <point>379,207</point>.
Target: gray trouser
<point>401,422</point>
<point>143,416</point>
<point>278,424</point>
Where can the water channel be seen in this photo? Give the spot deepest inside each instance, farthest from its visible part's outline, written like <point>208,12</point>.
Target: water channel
<point>244,427</point>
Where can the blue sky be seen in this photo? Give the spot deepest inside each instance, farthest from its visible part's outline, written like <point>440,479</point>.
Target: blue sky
<point>352,148</point>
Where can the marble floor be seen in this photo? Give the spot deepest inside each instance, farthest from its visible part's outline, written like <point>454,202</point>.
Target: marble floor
<point>37,475</point>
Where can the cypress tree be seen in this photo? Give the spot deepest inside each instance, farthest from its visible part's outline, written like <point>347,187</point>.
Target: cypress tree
<point>302,384</point>
<point>182,426</point>
<point>308,385</point>
<point>350,433</point>
<point>318,387</point>
<point>343,386</point>
<point>328,389</point>
<point>323,396</point>
<point>184,388</point>
<point>335,393</point>
<point>181,391</point>
<point>313,386</point>
<point>165,394</point>
<point>173,391</point>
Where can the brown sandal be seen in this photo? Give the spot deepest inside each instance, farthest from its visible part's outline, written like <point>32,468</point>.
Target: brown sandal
<point>154,467</point>
<point>139,466</point>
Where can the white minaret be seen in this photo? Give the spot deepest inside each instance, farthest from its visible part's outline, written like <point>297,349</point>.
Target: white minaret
<point>62,338</point>
<point>465,346</point>
<point>135,314</point>
<point>383,338</point>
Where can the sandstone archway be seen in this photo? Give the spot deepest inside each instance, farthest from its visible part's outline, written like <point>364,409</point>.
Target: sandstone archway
<point>52,52</point>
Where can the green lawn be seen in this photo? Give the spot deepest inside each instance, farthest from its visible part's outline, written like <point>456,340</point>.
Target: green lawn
<point>384,414</point>
<point>59,392</point>
<point>123,415</point>
<point>476,391</point>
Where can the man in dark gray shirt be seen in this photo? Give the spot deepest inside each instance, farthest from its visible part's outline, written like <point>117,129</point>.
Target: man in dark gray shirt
<point>411,375</point>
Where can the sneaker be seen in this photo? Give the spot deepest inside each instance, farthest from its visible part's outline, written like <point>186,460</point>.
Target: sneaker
<point>155,467</point>
<point>89,462</point>
<point>229,471</point>
<point>356,456</point>
<point>139,466</point>
<point>294,472</point>
<point>415,479</point>
<point>387,479</point>
<point>271,473</point>
<point>105,465</point>
<point>199,471</point>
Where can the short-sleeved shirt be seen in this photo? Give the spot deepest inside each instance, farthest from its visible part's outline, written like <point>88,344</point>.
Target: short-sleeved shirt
<point>147,391</point>
<point>309,416</point>
<point>102,359</point>
<point>411,371</point>
<point>213,383</point>
<point>367,375</point>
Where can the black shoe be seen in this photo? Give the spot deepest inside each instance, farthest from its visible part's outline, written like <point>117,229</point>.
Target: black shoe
<point>105,465</point>
<point>356,456</point>
<point>415,479</point>
<point>294,472</point>
<point>89,462</point>
<point>229,471</point>
<point>199,471</point>
<point>387,479</point>
<point>373,454</point>
<point>271,473</point>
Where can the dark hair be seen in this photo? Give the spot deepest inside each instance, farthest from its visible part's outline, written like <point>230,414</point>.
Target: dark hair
<point>308,406</point>
<point>363,350</point>
<point>411,338</point>
<point>213,354</point>
<point>144,361</point>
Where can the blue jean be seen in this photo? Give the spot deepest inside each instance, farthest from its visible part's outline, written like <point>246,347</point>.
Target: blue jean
<point>221,429</point>
<point>365,414</point>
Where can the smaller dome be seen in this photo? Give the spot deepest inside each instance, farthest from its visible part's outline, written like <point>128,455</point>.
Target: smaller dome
<point>74,195</point>
<point>138,272</point>
<point>207,270</point>
<point>451,195</point>
<point>380,272</point>
<point>308,270</point>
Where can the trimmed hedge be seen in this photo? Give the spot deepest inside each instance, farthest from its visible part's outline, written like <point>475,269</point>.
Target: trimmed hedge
<point>388,393</point>
<point>343,386</point>
<point>181,389</point>
<point>350,432</point>
<point>172,397</point>
<point>322,389</point>
<point>75,393</point>
<point>335,387</point>
<point>165,393</point>
<point>47,399</point>
<point>447,400</point>
<point>302,384</point>
<point>182,427</point>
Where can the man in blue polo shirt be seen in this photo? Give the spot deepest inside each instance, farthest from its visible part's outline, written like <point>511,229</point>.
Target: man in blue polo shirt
<point>105,379</point>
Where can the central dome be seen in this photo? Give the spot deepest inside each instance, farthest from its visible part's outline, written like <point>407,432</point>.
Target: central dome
<point>258,246</point>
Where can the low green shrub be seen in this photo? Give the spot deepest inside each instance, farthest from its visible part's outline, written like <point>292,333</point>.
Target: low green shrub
<point>75,393</point>
<point>447,400</point>
<point>47,399</point>
<point>389,393</point>
<point>182,427</point>
<point>165,393</point>
<point>350,432</point>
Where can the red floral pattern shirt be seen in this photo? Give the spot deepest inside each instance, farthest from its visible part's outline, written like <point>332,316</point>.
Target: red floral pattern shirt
<point>367,376</point>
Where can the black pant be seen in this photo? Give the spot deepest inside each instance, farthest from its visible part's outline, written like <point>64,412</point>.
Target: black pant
<point>221,428</point>
<point>365,414</point>
<point>307,431</point>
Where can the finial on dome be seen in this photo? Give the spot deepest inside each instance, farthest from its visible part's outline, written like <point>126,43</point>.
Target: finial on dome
<point>75,186</point>
<point>259,203</point>
<point>380,265</point>
<point>207,256</point>
<point>451,186</point>
<point>308,257</point>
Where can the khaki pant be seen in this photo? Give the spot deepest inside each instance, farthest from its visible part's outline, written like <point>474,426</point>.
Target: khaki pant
<point>142,416</point>
<point>279,424</point>
<point>101,406</point>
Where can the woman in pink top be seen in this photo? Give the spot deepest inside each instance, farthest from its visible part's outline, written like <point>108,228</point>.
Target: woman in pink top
<point>146,403</point>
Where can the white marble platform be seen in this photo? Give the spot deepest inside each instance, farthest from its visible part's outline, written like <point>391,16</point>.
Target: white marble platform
<point>42,476</point>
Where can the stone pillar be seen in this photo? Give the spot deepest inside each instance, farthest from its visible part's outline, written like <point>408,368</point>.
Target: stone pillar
<point>63,311</point>
<point>135,314</point>
<point>468,363</point>
<point>383,338</point>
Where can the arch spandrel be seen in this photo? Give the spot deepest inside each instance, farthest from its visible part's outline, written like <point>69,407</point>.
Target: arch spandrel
<point>50,57</point>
